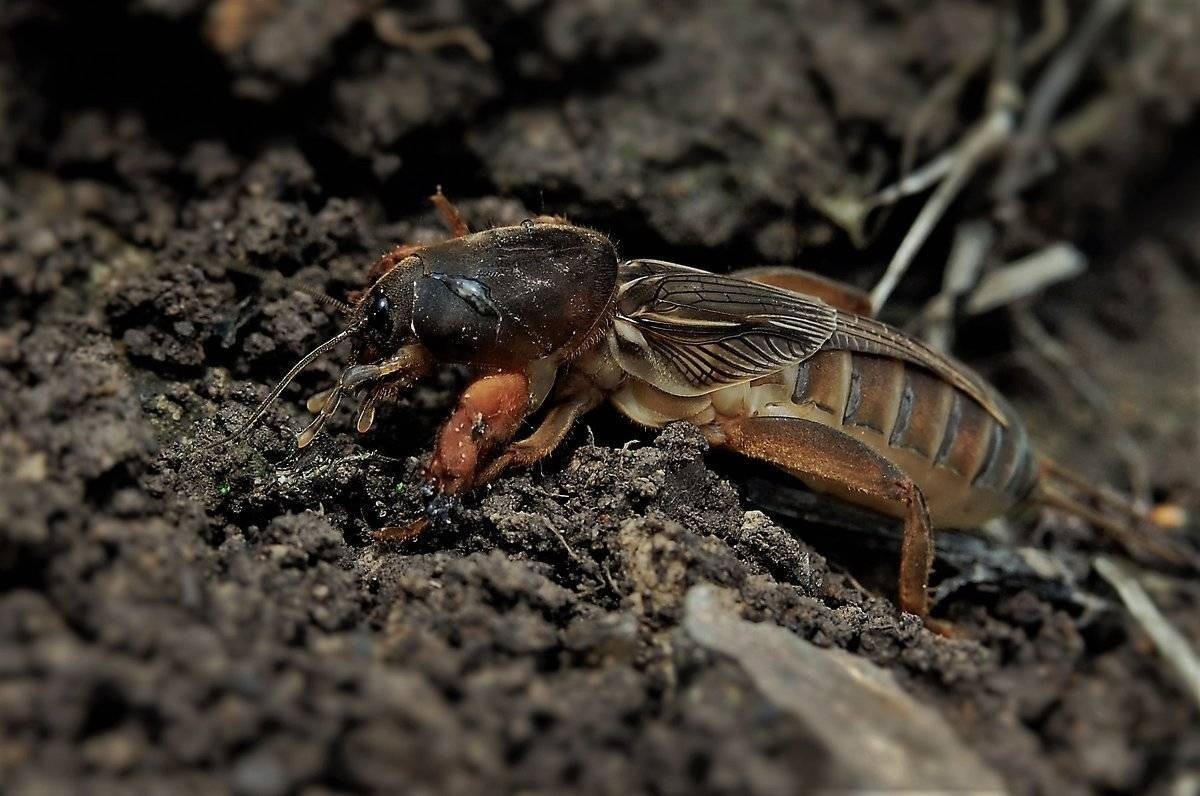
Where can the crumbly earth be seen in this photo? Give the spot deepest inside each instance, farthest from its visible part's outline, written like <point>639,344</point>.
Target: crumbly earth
<point>180,616</point>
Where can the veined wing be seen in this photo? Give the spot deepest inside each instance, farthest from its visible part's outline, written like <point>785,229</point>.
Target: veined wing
<point>690,332</point>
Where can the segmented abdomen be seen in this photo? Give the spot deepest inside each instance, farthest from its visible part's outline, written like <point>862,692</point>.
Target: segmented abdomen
<point>970,465</point>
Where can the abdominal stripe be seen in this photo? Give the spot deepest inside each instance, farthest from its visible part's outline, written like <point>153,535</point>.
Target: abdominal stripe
<point>951,431</point>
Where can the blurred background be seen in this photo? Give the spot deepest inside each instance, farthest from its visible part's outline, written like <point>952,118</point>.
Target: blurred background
<point>1015,182</point>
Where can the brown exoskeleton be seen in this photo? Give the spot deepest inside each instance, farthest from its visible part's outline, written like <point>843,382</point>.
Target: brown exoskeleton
<point>773,363</point>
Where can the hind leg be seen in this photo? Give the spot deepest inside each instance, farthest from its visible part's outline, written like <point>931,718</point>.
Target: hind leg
<point>831,461</point>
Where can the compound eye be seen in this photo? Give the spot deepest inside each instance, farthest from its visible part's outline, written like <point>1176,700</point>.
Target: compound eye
<point>379,319</point>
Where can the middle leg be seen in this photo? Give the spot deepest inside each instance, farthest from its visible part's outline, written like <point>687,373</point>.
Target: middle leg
<point>542,442</point>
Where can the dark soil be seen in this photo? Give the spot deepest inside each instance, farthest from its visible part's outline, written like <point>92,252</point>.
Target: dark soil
<point>178,616</point>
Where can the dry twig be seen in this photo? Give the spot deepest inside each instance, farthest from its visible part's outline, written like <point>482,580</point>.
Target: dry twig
<point>1170,642</point>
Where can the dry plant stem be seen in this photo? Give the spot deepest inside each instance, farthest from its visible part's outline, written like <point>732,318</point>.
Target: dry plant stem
<point>1025,277</point>
<point>1082,129</point>
<point>1067,368</point>
<point>390,30</point>
<point>1055,19</point>
<point>972,241</point>
<point>1060,75</point>
<point>851,215</point>
<point>979,146</point>
<point>996,130</point>
<point>920,180</point>
<point>942,94</point>
<point>1170,642</point>
<point>1064,70</point>
<point>981,143</point>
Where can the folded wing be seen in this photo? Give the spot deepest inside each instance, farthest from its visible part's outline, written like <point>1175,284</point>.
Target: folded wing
<point>690,332</point>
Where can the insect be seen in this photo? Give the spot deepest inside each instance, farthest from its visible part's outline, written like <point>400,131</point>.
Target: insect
<point>776,364</point>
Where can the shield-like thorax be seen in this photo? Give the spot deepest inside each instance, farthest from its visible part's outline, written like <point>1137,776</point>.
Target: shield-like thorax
<point>511,295</point>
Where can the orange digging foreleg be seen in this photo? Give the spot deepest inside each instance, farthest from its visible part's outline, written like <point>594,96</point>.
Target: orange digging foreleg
<point>486,419</point>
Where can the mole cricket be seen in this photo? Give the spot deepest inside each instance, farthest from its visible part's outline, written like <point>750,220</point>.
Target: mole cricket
<point>773,363</point>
